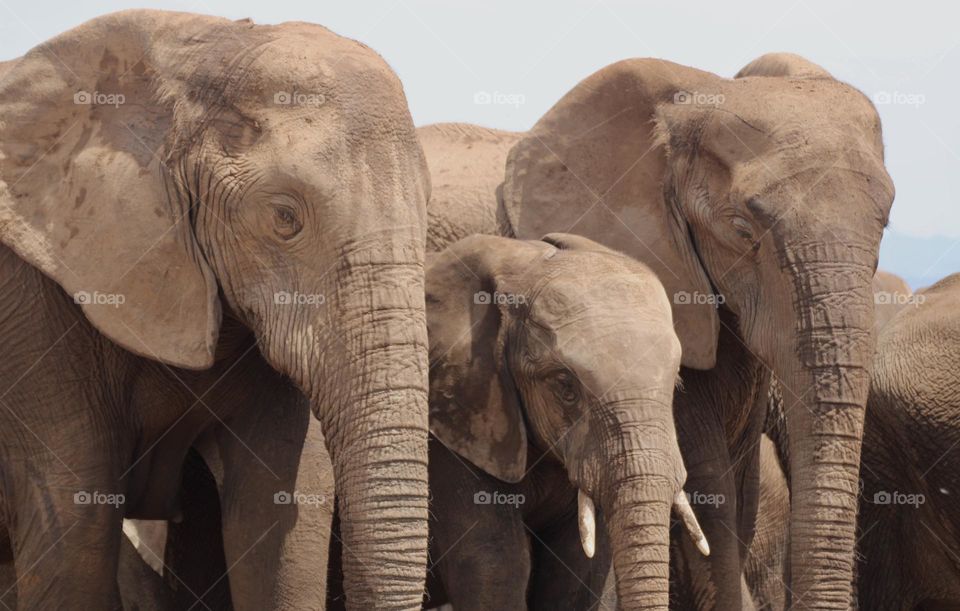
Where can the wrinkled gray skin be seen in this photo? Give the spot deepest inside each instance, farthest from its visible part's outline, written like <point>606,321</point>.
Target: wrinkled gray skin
<point>771,190</point>
<point>907,548</point>
<point>765,568</point>
<point>908,553</point>
<point>149,244</point>
<point>141,587</point>
<point>569,387</point>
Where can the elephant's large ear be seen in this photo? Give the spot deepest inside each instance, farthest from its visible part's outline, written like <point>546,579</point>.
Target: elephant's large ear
<point>85,196</point>
<point>474,406</point>
<point>596,164</point>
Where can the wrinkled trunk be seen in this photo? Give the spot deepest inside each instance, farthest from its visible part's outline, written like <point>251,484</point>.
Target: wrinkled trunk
<point>640,527</point>
<point>826,380</point>
<point>643,471</point>
<point>372,401</point>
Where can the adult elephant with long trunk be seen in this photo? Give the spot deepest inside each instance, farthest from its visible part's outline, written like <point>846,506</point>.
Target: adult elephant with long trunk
<point>759,202</point>
<point>180,195</point>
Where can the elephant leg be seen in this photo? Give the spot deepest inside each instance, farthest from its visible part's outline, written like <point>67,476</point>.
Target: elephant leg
<point>479,549</point>
<point>65,529</point>
<point>276,496</point>
<point>564,573</point>
<point>711,487</point>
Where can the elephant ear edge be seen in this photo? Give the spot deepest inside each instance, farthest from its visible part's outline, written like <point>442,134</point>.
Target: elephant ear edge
<point>596,164</point>
<point>475,408</point>
<point>84,197</point>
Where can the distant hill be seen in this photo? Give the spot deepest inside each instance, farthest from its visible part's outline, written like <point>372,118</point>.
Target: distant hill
<point>919,261</point>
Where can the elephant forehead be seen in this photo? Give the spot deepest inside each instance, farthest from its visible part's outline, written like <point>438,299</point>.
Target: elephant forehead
<point>597,292</point>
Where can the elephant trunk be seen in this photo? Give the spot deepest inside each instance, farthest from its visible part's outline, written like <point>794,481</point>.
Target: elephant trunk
<point>372,401</point>
<point>644,474</point>
<point>826,381</point>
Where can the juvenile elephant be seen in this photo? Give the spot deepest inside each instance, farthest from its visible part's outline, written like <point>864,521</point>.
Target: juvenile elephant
<point>553,370</point>
<point>759,202</point>
<point>199,218</point>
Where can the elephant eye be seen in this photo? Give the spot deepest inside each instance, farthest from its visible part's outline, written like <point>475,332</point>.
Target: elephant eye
<point>566,388</point>
<point>743,227</point>
<point>285,221</point>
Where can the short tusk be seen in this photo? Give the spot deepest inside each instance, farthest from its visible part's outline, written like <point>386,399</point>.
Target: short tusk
<point>682,506</point>
<point>587,520</point>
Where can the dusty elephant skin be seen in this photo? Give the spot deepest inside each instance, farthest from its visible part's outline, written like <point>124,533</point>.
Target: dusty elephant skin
<point>909,520</point>
<point>179,195</point>
<point>553,369</point>
<point>907,543</point>
<point>760,203</point>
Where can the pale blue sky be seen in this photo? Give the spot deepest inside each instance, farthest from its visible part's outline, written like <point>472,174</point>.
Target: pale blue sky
<point>531,53</point>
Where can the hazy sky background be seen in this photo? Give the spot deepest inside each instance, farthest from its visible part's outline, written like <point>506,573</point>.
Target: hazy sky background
<point>904,55</point>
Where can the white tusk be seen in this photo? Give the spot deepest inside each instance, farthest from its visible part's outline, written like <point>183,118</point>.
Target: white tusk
<point>682,506</point>
<point>587,520</point>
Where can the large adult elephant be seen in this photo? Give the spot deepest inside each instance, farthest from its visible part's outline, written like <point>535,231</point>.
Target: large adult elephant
<point>178,195</point>
<point>767,193</point>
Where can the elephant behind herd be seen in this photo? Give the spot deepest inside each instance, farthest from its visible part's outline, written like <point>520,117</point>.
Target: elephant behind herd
<point>212,229</point>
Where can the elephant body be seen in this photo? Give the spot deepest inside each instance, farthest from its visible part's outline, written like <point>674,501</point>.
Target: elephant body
<point>192,250</point>
<point>765,234</point>
<point>908,518</point>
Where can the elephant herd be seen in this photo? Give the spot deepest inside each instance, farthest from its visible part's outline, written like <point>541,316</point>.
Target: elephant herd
<point>306,355</point>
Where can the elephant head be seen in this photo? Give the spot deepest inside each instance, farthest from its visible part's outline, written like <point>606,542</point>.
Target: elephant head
<point>168,170</point>
<point>766,193</point>
<point>566,346</point>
